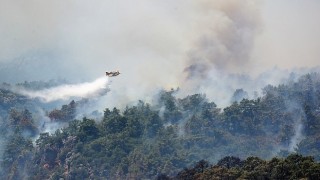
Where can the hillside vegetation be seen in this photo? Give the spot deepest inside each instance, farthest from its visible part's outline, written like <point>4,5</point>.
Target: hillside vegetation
<point>293,167</point>
<point>159,140</point>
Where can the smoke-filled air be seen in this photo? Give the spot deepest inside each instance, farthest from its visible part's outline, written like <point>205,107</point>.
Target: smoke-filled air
<point>163,89</point>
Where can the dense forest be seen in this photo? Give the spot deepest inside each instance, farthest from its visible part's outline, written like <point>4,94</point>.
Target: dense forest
<point>250,138</point>
<point>293,167</point>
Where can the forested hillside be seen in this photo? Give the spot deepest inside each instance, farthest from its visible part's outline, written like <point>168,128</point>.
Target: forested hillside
<point>159,140</point>
<point>293,167</point>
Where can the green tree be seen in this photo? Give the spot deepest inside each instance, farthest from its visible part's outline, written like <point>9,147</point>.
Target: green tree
<point>88,130</point>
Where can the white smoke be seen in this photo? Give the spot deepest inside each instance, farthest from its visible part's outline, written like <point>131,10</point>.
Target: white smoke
<point>297,114</point>
<point>211,37</point>
<point>298,136</point>
<point>96,88</point>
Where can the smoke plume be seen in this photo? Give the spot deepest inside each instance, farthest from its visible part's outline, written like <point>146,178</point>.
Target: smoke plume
<point>199,45</point>
<point>98,87</point>
<point>227,43</point>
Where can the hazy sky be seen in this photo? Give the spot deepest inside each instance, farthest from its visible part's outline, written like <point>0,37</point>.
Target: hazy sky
<point>153,42</point>
<point>290,34</point>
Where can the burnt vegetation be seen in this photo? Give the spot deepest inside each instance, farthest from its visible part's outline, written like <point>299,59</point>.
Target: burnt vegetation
<point>160,140</point>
